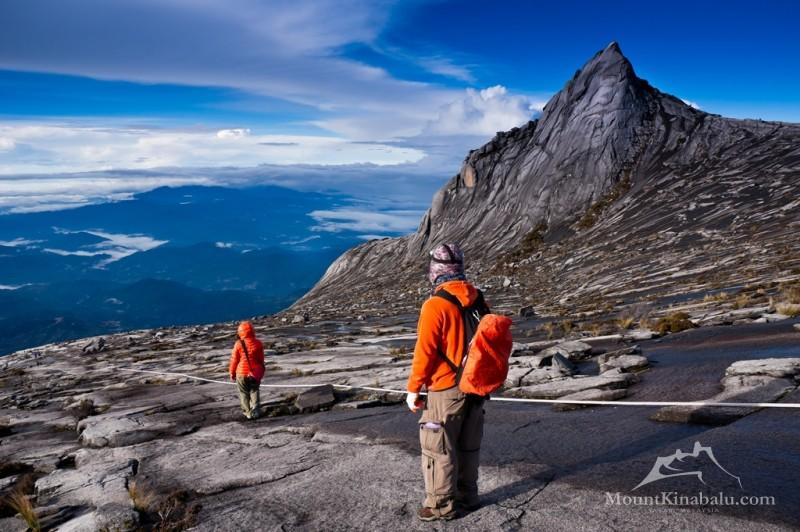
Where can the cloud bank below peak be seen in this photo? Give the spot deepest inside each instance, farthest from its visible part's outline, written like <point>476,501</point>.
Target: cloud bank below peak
<point>484,112</point>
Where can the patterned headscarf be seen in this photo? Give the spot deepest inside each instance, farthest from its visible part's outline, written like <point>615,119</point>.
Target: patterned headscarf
<point>447,263</point>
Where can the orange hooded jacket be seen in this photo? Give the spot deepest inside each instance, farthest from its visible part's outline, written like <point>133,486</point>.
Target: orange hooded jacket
<point>440,327</point>
<point>255,351</point>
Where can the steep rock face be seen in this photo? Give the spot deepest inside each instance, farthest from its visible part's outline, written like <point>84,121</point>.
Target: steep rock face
<point>608,143</point>
<point>589,135</point>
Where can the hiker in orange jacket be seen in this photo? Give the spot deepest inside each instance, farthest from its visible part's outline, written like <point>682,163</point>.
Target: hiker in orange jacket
<point>451,426</point>
<point>247,369</point>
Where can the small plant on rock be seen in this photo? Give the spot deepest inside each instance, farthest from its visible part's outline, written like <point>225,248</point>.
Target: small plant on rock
<point>550,328</point>
<point>719,296</point>
<point>791,293</point>
<point>742,301</point>
<point>141,496</point>
<point>625,322</point>
<point>22,504</point>
<point>675,322</point>
<point>788,309</point>
<point>19,502</point>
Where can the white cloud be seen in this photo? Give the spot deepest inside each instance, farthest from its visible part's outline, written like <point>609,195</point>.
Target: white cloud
<point>347,219</point>
<point>446,67</point>
<point>301,241</point>
<point>19,242</point>
<point>132,242</point>
<point>691,104</point>
<point>484,112</point>
<point>7,144</point>
<point>77,253</point>
<point>12,287</point>
<point>69,148</point>
<point>233,133</point>
<point>115,246</point>
<point>37,194</point>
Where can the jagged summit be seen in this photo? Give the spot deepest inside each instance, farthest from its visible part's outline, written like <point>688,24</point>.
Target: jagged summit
<point>611,159</point>
<point>608,66</point>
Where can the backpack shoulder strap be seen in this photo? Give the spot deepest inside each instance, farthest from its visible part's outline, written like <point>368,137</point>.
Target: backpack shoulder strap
<point>444,294</point>
<point>244,348</point>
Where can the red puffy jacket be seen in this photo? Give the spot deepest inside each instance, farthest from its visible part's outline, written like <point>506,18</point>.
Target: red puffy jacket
<point>239,365</point>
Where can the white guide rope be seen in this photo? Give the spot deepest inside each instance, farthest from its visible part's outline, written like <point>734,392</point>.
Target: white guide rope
<point>504,399</point>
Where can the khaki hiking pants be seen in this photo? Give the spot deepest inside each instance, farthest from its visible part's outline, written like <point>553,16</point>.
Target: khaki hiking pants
<point>249,396</point>
<point>450,454</point>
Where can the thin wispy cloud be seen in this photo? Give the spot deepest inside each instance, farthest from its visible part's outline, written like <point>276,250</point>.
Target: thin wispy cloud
<point>447,67</point>
<point>348,219</point>
<point>19,242</point>
<point>114,246</point>
<point>26,194</point>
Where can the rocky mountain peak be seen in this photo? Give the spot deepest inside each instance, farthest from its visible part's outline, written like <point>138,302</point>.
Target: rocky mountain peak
<point>609,73</point>
<point>611,159</point>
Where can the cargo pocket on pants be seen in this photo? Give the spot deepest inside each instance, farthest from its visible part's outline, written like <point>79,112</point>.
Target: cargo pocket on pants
<point>431,439</point>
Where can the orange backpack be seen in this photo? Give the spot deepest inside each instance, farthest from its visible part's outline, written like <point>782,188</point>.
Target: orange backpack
<point>484,365</point>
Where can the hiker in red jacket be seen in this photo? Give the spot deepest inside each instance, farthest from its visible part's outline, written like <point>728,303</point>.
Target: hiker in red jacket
<point>247,369</point>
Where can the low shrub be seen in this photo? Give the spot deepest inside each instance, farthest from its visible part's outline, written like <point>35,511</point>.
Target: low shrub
<point>791,293</point>
<point>625,322</point>
<point>788,309</point>
<point>719,296</point>
<point>550,328</point>
<point>673,323</point>
<point>21,503</point>
<point>160,511</point>
<point>19,500</point>
<point>742,301</point>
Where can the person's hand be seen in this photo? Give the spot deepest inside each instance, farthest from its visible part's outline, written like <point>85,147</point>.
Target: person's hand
<point>233,376</point>
<point>414,402</point>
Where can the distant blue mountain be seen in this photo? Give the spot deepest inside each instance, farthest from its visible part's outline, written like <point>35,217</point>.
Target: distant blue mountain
<point>171,256</point>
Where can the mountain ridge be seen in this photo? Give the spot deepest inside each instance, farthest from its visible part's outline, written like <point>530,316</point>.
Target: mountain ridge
<point>606,142</point>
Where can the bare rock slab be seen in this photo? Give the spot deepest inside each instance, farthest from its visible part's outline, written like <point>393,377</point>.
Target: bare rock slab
<point>772,367</point>
<point>590,395</point>
<point>562,387</point>
<point>315,399</point>
<point>745,381</point>
<point>574,350</point>
<point>515,375</point>
<point>625,363</point>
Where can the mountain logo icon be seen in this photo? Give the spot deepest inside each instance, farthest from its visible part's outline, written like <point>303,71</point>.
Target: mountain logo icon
<point>680,464</point>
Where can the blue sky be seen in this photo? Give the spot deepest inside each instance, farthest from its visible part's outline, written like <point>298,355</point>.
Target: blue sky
<point>102,99</point>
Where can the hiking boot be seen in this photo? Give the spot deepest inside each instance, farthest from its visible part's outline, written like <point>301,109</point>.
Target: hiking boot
<point>428,514</point>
